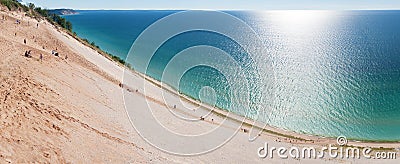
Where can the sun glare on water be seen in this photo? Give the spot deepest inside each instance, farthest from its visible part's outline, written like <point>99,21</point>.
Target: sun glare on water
<point>299,20</point>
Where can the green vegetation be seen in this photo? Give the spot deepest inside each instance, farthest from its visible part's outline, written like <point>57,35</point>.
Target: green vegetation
<point>31,6</point>
<point>113,57</point>
<point>39,13</point>
<point>116,58</point>
<point>11,4</point>
<point>60,21</point>
<point>42,12</point>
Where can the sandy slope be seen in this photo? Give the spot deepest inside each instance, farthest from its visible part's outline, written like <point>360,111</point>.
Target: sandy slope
<point>56,110</point>
<point>72,110</point>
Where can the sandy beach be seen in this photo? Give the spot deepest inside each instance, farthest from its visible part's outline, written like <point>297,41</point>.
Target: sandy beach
<point>70,108</point>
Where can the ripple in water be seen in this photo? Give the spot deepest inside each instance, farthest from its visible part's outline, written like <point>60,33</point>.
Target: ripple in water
<point>326,73</point>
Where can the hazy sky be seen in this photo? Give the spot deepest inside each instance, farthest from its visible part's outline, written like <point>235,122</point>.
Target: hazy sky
<point>220,4</point>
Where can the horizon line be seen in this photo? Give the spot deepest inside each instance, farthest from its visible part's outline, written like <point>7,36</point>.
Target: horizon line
<point>177,9</point>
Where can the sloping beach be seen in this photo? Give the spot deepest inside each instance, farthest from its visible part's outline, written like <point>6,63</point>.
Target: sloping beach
<point>70,108</point>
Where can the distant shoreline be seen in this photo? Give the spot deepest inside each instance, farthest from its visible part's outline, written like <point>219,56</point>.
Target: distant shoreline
<point>63,12</point>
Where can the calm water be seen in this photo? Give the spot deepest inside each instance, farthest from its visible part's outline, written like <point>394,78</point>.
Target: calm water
<point>326,73</point>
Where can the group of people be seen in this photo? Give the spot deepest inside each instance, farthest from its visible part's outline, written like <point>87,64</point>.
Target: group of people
<point>28,54</point>
<point>53,52</point>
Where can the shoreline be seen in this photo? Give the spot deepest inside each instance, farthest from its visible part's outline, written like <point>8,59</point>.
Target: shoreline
<point>223,112</point>
<point>247,121</point>
<point>90,114</point>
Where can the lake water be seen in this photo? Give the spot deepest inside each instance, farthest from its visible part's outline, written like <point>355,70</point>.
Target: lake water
<point>326,73</point>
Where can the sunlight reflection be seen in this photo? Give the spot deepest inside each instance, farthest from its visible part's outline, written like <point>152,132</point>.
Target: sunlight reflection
<point>299,20</point>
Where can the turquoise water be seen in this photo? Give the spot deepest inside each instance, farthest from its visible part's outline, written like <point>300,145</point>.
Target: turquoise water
<point>326,73</point>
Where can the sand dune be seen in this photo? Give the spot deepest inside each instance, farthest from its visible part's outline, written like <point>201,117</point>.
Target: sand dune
<point>71,110</point>
<point>47,112</point>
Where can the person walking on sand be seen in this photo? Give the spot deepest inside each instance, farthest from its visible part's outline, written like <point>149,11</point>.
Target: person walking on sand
<point>24,41</point>
<point>41,57</point>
